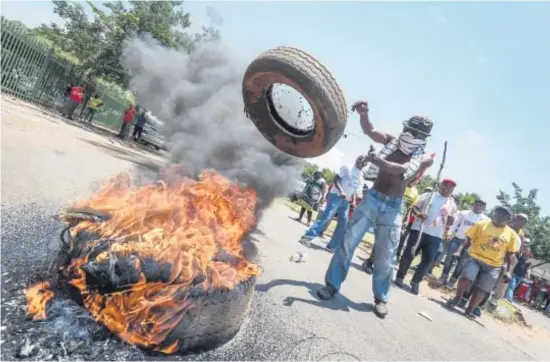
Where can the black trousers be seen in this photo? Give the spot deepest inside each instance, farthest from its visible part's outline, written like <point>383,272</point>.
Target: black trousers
<point>90,113</point>
<point>123,128</point>
<point>404,236</point>
<point>137,132</point>
<point>428,247</point>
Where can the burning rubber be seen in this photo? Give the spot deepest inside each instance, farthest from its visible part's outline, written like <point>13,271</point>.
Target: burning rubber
<point>304,73</point>
<point>161,266</point>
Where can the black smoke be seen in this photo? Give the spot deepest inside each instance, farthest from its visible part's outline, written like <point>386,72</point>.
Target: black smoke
<point>199,99</point>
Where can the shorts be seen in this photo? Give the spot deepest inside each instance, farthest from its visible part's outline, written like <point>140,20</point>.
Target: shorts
<point>484,275</point>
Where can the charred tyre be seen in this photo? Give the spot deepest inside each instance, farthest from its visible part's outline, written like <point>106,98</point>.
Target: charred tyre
<point>213,318</point>
<point>216,319</point>
<point>304,73</point>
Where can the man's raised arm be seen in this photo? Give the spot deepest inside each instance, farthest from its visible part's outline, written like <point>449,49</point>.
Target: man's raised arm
<point>362,108</point>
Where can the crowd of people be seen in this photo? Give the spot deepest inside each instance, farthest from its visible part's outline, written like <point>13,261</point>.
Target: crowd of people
<point>75,96</point>
<point>481,255</point>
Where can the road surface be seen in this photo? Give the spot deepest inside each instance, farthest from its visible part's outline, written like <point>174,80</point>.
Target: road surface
<point>47,163</point>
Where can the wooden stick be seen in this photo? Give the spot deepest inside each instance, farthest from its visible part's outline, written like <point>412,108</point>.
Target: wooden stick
<point>429,204</point>
<point>442,163</point>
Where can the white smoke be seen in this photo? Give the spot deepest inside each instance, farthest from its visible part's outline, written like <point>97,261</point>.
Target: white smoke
<point>199,99</point>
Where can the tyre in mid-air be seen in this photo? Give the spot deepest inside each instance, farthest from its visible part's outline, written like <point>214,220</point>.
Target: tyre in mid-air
<point>296,69</point>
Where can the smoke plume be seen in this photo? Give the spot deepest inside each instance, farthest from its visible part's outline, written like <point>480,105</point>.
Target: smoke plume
<point>199,99</point>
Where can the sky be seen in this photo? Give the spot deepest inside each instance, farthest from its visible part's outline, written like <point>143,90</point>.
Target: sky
<point>479,70</point>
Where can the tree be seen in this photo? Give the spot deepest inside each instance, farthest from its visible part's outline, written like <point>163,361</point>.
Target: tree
<point>309,170</point>
<point>329,175</point>
<point>538,226</point>
<point>98,42</point>
<point>425,182</point>
<point>466,199</point>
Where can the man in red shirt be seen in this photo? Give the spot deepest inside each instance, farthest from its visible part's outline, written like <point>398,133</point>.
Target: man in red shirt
<point>127,120</point>
<point>75,98</point>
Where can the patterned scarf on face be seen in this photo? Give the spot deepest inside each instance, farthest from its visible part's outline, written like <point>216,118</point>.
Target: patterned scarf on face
<point>392,146</point>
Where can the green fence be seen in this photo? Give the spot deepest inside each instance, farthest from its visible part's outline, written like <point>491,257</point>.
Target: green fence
<point>31,71</point>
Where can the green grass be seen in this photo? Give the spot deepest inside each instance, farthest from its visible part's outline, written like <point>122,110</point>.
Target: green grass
<point>508,313</point>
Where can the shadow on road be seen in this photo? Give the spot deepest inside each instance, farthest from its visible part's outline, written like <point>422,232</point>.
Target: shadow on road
<point>340,302</point>
<point>126,155</point>
<point>443,304</point>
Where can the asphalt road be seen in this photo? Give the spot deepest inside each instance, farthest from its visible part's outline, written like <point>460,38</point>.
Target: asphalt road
<point>47,163</point>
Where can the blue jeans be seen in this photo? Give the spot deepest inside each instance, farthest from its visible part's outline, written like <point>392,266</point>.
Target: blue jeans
<point>334,204</point>
<point>514,282</point>
<point>383,213</point>
<point>450,259</point>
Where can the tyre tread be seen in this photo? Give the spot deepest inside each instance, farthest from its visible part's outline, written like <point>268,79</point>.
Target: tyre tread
<point>310,65</point>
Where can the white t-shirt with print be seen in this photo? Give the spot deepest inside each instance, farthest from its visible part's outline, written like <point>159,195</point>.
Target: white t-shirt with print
<point>351,181</point>
<point>464,220</point>
<point>441,207</point>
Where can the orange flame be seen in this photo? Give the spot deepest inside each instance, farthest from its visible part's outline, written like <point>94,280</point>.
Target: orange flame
<point>38,297</point>
<point>182,222</point>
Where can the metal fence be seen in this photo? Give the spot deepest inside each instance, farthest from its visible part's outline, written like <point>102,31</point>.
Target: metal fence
<point>31,71</point>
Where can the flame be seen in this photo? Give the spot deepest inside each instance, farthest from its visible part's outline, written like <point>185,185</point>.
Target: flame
<point>179,222</point>
<point>38,297</point>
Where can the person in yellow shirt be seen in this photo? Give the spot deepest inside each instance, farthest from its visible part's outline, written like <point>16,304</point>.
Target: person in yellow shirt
<point>93,105</point>
<point>518,224</point>
<point>493,244</point>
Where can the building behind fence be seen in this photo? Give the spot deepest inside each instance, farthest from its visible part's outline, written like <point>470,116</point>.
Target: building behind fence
<point>30,70</point>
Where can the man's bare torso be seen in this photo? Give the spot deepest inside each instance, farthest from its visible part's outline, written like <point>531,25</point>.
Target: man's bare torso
<point>391,184</point>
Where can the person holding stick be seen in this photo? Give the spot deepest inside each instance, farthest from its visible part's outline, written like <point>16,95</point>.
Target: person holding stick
<point>408,225</point>
<point>312,196</point>
<point>434,216</point>
<point>399,161</point>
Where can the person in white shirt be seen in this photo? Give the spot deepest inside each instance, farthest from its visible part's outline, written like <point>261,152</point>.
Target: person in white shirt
<point>465,219</point>
<point>342,193</point>
<point>434,223</point>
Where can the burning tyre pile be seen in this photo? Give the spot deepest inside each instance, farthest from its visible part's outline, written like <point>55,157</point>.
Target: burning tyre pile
<point>161,266</point>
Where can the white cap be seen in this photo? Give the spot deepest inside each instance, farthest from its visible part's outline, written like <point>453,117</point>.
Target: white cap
<point>523,216</point>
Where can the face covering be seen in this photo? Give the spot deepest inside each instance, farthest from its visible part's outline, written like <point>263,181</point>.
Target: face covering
<point>408,143</point>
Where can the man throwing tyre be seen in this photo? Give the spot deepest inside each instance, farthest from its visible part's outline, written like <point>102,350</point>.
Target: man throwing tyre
<point>493,244</point>
<point>394,166</point>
